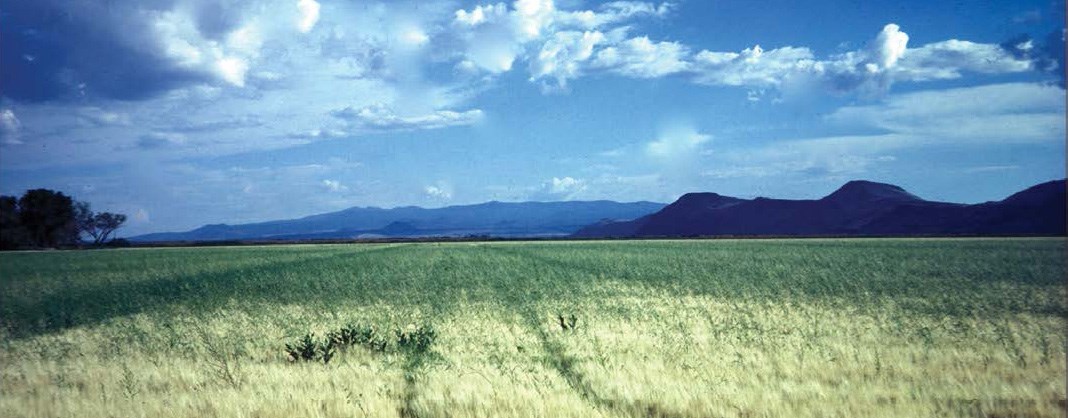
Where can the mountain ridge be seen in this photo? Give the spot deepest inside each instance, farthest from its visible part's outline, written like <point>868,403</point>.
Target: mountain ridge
<point>858,208</point>
<point>489,218</point>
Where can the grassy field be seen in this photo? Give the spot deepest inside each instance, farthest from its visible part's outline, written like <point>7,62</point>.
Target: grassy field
<point>747,328</point>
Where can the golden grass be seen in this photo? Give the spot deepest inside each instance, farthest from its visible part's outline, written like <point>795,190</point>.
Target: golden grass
<point>652,340</point>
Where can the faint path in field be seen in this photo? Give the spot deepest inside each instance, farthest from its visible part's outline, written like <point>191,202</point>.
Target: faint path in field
<point>539,259</point>
<point>556,353</point>
<point>415,363</point>
<point>412,373</point>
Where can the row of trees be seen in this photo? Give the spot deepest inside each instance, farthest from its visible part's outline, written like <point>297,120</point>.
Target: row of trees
<point>43,218</point>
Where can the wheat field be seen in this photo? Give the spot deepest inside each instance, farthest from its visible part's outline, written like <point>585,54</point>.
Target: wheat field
<point>716,328</point>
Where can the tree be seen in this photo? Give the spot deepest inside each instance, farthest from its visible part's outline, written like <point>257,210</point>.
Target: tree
<point>48,217</point>
<point>12,234</point>
<point>9,211</point>
<point>97,225</point>
<point>83,218</point>
<point>104,224</point>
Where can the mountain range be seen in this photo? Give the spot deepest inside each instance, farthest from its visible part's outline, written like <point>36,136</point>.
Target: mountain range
<point>498,219</point>
<point>858,208</point>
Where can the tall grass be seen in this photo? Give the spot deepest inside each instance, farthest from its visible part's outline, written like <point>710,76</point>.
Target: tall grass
<point>858,327</point>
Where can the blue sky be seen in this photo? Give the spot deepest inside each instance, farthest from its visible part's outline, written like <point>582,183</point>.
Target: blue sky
<point>188,112</point>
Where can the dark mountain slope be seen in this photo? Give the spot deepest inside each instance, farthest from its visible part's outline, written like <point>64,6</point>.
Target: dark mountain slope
<point>857,208</point>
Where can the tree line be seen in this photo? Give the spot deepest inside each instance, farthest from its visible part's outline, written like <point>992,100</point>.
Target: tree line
<point>44,218</point>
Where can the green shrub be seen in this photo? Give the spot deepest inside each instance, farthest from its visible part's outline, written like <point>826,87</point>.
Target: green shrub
<point>361,335</point>
<point>417,340</point>
<point>304,349</point>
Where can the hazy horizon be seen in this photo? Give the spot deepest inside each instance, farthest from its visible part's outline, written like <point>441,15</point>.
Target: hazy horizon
<point>182,113</point>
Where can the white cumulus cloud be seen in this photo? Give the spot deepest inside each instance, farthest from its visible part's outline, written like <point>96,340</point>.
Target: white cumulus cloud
<point>309,15</point>
<point>496,36</point>
<point>680,141</point>
<point>10,127</point>
<point>611,13</point>
<point>642,58</point>
<point>561,57</point>
<point>232,69</point>
<point>532,16</point>
<point>334,185</point>
<point>869,71</point>
<point>439,191</point>
<point>182,41</point>
<point>889,46</point>
<point>752,67</point>
<point>949,59</point>
<point>482,14</point>
<point>558,188</point>
<point>565,185</point>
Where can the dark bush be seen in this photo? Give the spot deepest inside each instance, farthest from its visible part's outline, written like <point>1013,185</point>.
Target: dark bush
<point>303,350</point>
<point>309,349</point>
<point>417,340</point>
<point>361,335</point>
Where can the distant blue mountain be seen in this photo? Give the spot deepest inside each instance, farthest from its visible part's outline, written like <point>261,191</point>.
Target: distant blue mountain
<point>857,208</point>
<point>499,219</point>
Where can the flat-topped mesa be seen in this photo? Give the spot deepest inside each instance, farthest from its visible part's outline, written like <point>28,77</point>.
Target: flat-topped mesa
<point>863,191</point>
<point>706,200</point>
<point>858,208</point>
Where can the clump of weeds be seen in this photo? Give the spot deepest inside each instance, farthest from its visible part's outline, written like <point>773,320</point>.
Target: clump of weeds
<point>305,349</point>
<point>569,323</point>
<point>413,340</point>
<point>416,340</point>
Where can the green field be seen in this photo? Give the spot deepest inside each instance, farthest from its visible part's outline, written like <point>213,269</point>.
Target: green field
<point>731,328</point>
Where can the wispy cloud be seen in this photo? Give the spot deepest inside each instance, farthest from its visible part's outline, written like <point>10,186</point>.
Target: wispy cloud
<point>998,113</point>
<point>380,117</point>
<point>991,168</point>
<point>99,117</point>
<point>156,140</point>
<point>962,118</point>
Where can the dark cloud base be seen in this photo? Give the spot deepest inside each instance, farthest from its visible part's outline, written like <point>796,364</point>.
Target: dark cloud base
<point>59,51</point>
